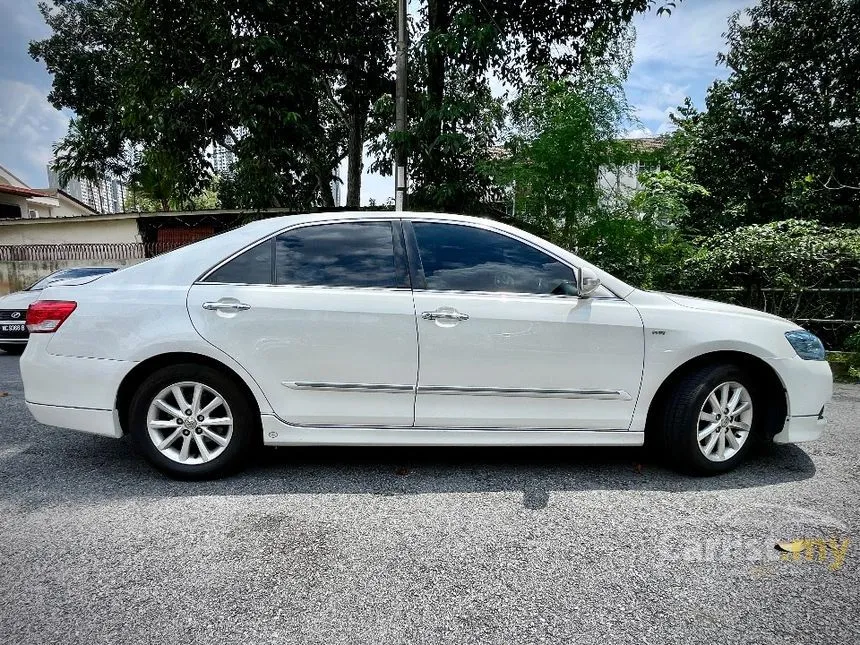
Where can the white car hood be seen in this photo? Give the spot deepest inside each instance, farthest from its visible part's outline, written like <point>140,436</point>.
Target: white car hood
<point>720,307</point>
<point>19,299</point>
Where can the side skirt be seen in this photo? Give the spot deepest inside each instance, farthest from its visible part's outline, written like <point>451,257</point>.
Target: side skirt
<point>278,433</point>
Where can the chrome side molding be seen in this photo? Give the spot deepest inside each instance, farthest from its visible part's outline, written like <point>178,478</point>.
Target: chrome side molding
<point>618,395</point>
<point>347,387</point>
<point>612,395</point>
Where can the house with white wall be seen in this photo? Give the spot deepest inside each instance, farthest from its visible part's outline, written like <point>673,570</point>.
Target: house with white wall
<point>18,201</point>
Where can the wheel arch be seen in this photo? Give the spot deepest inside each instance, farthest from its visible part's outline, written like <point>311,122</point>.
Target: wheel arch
<point>129,384</point>
<point>769,378</point>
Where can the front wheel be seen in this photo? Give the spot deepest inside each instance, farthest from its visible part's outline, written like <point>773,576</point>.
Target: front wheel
<point>712,419</point>
<point>192,422</point>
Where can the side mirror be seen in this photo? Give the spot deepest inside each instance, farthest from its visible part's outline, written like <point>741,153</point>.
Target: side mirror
<point>587,280</point>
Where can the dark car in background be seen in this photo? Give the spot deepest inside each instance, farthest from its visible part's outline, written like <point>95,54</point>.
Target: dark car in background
<point>13,307</point>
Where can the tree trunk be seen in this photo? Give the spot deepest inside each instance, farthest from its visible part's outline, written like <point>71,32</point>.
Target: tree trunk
<point>355,155</point>
<point>438,22</point>
<point>324,183</point>
<point>165,204</point>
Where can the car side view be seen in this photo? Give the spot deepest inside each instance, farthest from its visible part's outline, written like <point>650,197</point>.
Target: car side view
<point>409,329</point>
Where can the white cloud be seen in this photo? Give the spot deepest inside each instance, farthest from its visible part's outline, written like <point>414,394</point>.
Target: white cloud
<point>690,37</point>
<point>29,126</point>
<point>675,57</point>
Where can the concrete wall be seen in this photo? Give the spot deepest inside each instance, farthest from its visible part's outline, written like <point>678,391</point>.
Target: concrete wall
<point>15,276</point>
<point>59,231</point>
<point>68,208</point>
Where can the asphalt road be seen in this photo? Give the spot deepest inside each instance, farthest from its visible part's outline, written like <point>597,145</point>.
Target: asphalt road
<point>424,545</point>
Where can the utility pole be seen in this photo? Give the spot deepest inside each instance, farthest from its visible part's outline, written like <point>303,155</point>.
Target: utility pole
<point>400,107</point>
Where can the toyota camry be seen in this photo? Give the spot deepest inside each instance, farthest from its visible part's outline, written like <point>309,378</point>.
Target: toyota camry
<point>409,329</point>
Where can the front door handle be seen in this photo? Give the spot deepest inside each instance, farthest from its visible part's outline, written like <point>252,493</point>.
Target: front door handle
<point>226,306</point>
<point>440,314</point>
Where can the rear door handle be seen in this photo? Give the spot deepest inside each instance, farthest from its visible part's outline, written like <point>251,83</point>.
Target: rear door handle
<point>226,306</point>
<point>445,315</point>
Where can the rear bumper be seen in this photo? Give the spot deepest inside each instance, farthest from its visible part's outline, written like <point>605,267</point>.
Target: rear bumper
<point>71,392</point>
<point>100,422</point>
<point>13,341</point>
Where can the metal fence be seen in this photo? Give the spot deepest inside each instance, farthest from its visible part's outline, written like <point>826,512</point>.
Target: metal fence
<point>105,251</point>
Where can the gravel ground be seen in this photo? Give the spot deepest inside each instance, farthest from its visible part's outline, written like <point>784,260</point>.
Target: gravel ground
<point>424,545</point>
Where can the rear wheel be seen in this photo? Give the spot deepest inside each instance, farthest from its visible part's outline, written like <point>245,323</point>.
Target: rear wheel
<point>712,418</point>
<point>192,422</point>
<point>14,349</point>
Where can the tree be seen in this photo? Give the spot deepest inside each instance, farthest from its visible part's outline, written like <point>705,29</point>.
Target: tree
<point>780,137</point>
<point>791,254</point>
<point>461,43</point>
<point>175,77</point>
<point>562,132</point>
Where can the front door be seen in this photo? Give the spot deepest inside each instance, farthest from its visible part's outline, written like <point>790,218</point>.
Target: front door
<point>501,346</point>
<point>322,317</point>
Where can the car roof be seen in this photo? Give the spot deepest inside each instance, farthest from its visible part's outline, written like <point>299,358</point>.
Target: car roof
<point>186,264</point>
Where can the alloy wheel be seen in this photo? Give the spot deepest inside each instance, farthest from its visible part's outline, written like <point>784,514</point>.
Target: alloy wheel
<point>724,421</point>
<point>190,423</point>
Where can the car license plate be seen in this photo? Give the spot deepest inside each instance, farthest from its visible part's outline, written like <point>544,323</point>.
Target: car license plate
<point>12,328</point>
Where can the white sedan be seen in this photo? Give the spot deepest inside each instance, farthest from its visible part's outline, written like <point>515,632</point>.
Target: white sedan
<point>409,329</point>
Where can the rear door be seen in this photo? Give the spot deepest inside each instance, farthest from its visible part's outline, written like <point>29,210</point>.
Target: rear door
<point>322,317</point>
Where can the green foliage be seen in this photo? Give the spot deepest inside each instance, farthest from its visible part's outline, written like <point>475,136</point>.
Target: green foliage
<point>150,191</point>
<point>852,343</point>
<point>562,132</point>
<point>780,137</point>
<point>639,250</point>
<point>789,254</point>
<point>171,78</point>
<point>454,120</point>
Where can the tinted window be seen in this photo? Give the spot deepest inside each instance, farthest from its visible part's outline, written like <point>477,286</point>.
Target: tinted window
<point>462,258</point>
<point>359,254</point>
<point>254,266</point>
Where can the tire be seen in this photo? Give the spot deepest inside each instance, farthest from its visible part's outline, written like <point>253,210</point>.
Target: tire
<point>690,412</point>
<point>203,458</point>
<point>15,350</point>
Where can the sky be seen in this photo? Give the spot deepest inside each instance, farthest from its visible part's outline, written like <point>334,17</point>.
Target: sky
<point>674,57</point>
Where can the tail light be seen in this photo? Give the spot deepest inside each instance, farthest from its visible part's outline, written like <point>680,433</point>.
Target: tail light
<point>46,316</point>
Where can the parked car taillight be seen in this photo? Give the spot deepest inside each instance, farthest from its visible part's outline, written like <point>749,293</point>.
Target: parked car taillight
<point>46,316</point>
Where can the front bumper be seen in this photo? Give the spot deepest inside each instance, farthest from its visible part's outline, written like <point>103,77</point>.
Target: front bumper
<point>800,429</point>
<point>808,387</point>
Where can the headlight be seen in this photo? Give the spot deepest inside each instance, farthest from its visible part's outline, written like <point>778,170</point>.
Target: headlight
<point>807,345</point>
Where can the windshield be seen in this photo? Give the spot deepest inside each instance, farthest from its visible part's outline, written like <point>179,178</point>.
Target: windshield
<point>66,274</point>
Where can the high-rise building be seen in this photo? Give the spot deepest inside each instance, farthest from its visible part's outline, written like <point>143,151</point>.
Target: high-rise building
<point>106,195</point>
<point>222,160</point>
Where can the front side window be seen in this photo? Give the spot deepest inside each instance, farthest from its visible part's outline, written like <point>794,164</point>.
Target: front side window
<point>351,254</point>
<point>463,258</point>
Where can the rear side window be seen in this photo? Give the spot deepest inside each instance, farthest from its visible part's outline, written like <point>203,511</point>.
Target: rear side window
<point>254,266</point>
<point>464,258</point>
<point>352,254</point>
